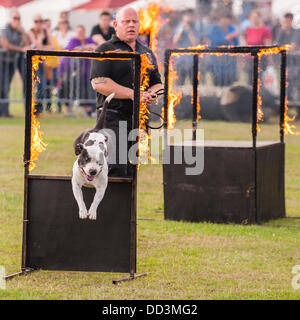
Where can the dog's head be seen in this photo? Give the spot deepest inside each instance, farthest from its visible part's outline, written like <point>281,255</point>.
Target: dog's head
<point>92,156</point>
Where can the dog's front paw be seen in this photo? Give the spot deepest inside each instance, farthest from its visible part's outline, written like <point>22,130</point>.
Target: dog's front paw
<point>83,214</point>
<point>92,214</point>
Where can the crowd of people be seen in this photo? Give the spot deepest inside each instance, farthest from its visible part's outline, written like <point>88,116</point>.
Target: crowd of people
<point>190,29</point>
<point>54,71</point>
<point>180,30</point>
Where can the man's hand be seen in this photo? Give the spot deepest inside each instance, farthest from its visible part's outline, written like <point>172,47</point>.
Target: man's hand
<point>148,97</point>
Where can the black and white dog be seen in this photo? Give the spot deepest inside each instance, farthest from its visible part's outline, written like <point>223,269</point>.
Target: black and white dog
<point>91,167</point>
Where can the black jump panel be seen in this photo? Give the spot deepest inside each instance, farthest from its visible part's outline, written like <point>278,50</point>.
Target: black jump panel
<point>238,185</point>
<point>58,240</point>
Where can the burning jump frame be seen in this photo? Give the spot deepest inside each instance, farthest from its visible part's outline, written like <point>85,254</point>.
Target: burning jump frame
<point>132,181</point>
<point>253,195</point>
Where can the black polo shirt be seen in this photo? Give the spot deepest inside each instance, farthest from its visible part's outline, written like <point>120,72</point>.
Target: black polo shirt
<point>121,71</point>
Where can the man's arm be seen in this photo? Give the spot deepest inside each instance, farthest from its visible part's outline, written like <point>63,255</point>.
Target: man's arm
<point>106,86</point>
<point>7,45</point>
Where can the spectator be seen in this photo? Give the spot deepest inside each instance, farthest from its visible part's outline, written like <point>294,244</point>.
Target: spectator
<point>223,68</point>
<point>258,34</point>
<point>286,32</point>
<point>68,69</point>
<point>223,33</point>
<point>64,15</point>
<point>63,34</point>
<point>40,38</point>
<point>61,37</point>
<point>50,66</point>
<point>185,36</point>
<point>102,32</point>
<point>11,40</point>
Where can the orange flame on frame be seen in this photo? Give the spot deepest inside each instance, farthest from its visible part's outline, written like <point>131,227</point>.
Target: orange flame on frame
<point>174,97</point>
<point>37,144</point>
<point>287,127</point>
<point>144,138</point>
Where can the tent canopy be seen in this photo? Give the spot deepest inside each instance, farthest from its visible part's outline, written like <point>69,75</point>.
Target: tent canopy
<point>12,3</point>
<point>102,4</point>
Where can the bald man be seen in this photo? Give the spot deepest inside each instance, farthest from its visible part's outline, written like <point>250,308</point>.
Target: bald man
<point>110,76</point>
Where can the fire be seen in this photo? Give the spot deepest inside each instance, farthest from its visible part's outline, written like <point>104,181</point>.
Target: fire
<point>144,111</point>
<point>174,97</point>
<point>37,144</point>
<point>287,127</point>
<point>260,113</point>
<point>151,22</point>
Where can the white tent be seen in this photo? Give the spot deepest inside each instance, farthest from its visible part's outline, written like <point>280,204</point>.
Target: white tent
<point>281,7</point>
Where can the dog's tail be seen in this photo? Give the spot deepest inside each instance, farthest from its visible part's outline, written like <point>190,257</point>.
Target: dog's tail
<point>101,120</point>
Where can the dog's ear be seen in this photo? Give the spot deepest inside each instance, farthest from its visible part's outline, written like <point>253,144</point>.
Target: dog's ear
<point>78,148</point>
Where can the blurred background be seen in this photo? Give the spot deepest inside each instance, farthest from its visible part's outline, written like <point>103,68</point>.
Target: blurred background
<point>83,25</point>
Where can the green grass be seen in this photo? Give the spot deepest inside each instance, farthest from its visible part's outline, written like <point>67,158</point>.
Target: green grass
<point>186,260</point>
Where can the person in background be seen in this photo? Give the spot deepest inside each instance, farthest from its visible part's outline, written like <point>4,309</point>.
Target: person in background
<point>286,32</point>
<point>12,41</point>
<point>258,34</point>
<point>50,67</point>
<point>288,35</point>
<point>244,26</point>
<point>63,34</point>
<point>185,36</point>
<point>40,39</point>
<point>201,27</point>
<point>223,68</point>
<point>69,69</point>
<point>61,37</point>
<point>103,31</point>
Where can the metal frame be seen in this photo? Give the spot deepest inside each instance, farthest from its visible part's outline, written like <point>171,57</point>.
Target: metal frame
<point>27,148</point>
<point>254,51</point>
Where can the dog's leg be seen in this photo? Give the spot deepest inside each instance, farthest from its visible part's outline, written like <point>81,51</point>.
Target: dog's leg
<point>79,198</point>
<point>97,199</point>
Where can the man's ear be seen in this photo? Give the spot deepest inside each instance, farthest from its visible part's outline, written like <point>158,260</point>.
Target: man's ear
<point>78,148</point>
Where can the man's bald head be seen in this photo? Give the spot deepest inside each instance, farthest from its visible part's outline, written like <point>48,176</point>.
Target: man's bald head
<point>127,24</point>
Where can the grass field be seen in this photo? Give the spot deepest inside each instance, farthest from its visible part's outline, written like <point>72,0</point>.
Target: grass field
<point>186,260</point>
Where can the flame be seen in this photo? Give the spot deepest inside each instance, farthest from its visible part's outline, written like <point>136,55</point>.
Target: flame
<point>174,97</point>
<point>287,127</point>
<point>260,113</point>
<point>151,22</point>
<point>37,144</point>
<point>144,138</point>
